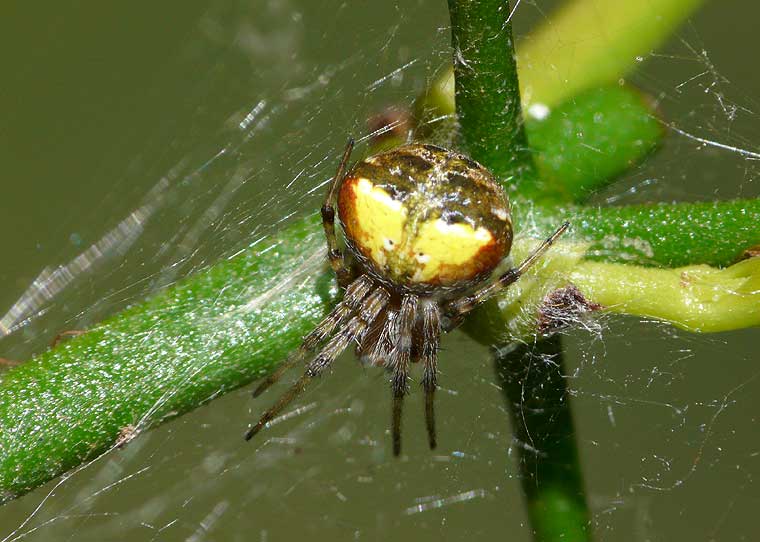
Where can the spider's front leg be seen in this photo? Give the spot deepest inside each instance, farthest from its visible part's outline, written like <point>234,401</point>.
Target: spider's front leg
<point>334,253</point>
<point>355,294</point>
<point>353,331</point>
<point>458,308</point>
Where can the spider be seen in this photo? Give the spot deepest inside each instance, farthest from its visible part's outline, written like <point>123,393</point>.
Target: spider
<point>424,229</point>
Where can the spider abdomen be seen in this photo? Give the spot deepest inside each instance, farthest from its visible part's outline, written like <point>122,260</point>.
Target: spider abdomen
<point>423,215</point>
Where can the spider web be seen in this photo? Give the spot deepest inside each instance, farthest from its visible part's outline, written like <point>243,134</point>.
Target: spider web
<point>244,118</point>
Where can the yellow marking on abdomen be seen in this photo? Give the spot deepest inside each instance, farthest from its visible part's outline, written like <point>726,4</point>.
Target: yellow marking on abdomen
<point>428,252</point>
<point>448,252</point>
<point>379,220</point>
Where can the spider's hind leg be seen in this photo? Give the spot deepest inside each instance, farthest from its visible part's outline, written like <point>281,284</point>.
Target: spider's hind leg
<point>355,294</point>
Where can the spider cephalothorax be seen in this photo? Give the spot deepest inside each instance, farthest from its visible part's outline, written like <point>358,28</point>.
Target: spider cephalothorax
<point>425,228</point>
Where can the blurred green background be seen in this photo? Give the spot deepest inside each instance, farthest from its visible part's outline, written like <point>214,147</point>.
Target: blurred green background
<point>98,102</point>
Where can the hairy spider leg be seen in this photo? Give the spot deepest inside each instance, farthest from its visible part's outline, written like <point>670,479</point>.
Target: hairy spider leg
<point>353,331</point>
<point>383,346</point>
<point>399,363</point>
<point>431,335</point>
<point>355,294</point>
<point>458,308</point>
<point>334,253</point>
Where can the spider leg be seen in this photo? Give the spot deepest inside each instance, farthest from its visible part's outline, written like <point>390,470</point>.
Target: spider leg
<point>65,334</point>
<point>399,363</point>
<point>354,295</point>
<point>381,348</point>
<point>459,307</point>
<point>334,253</point>
<point>353,331</point>
<point>431,334</point>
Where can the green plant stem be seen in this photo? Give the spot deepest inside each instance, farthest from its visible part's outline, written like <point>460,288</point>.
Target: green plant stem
<point>487,89</point>
<point>662,234</point>
<point>532,378</point>
<point>228,325</point>
<point>490,117</point>
<point>696,298</point>
<point>206,335</point>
